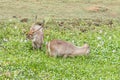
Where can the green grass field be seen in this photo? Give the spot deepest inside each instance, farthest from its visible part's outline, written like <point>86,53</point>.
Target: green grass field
<point>19,62</point>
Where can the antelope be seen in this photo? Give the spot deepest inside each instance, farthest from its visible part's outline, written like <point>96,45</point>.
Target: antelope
<point>66,49</point>
<point>36,35</point>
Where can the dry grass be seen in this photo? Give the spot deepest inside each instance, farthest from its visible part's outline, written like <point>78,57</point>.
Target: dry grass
<point>57,9</point>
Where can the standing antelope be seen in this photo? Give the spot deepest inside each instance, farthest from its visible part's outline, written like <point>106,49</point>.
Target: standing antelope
<point>36,35</point>
<point>62,48</point>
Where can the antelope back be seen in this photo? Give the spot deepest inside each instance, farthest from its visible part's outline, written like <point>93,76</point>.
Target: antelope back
<point>60,48</point>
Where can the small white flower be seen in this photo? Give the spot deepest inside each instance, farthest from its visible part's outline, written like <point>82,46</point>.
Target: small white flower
<point>105,33</point>
<point>98,45</point>
<point>4,39</point>
<point>73,41</point>
<point>15,27</point>
<point>110,38</point>
<point>102,42</point>
<point>25,40</point>
<point>114,51</point>
<point>100,31</point>
<point>21,40</point>
<point>99,38</point>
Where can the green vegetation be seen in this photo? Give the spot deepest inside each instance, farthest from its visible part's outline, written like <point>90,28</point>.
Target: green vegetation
<point>77,21</point>
<point>19,61</point>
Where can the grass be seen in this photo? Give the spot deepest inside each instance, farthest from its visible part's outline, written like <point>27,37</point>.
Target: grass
<point>57,9</point>
<point>68,20</point>
<point>19,61</point>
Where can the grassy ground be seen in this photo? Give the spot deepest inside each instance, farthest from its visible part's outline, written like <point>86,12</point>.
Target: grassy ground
<point>63,21</point>
<point>19,61</point>
<point>59,8</point>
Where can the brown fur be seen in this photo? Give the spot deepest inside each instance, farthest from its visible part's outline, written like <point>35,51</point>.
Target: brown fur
<point>62,48</point>
<point>36,35</point>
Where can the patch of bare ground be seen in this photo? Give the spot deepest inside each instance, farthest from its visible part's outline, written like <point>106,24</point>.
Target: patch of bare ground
<point>24,20</point>
<point>97,8</point>
<point>84,25</point>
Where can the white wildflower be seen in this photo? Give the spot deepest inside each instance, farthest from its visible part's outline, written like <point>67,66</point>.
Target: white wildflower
<point>15,27</point>
<point>105,33</point>
<point>100,31</point>
<point>99,38</point>
<point>73,41</point>
<point>4,39</point>
<point>114,51</point>
<point>102,42</point>
<point>21,40</point>
<point>110,38</point>
<point>98,45</point>
<point>25,40</point>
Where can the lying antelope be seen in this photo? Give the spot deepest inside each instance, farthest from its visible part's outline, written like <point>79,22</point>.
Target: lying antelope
<point>36,35</point>
<point>62,48</point>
